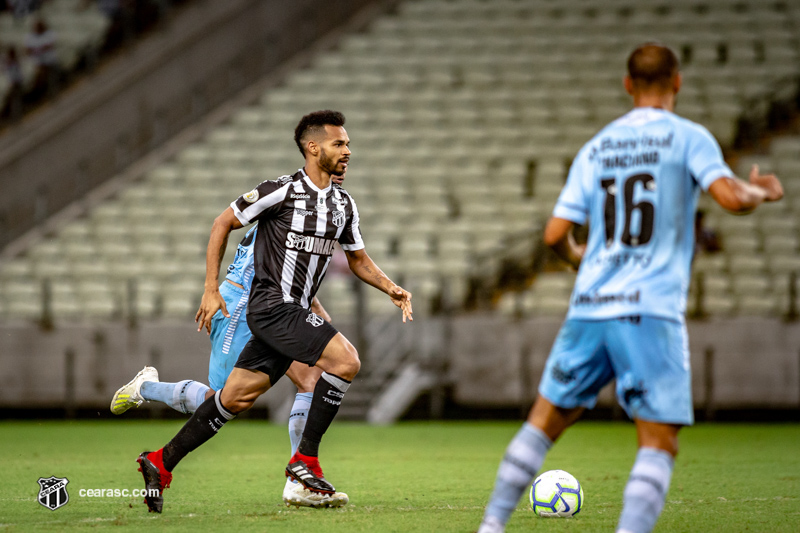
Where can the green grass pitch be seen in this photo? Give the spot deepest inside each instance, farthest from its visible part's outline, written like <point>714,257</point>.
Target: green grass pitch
<point>409,477</point>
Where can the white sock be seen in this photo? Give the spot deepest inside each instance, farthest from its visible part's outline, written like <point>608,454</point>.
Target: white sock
<point>188,395</point>
<point>522,460</point>
<point>298,417</point>
<point>646,490</point>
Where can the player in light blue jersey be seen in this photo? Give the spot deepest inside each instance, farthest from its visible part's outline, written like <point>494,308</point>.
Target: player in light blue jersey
<point>229,334</point>
<point>636,184</point>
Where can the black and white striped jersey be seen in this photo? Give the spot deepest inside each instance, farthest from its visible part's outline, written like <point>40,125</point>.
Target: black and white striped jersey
<point>298,226</point>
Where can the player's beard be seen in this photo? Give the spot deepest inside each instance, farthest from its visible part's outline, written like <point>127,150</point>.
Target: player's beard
<point>327,164</point>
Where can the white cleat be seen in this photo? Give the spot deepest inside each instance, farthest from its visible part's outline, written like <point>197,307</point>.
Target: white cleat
<point>491,524</point>
<point>295,494</point>
<point>129,395</point>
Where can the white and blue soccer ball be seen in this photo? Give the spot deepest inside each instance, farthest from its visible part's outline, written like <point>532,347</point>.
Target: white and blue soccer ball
<point>556,494</point>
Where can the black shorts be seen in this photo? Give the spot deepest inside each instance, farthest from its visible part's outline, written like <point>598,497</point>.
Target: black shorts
<point>281,335</point>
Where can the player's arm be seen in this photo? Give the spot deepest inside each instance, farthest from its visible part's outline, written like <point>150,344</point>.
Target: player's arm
<point>367,271</point>
<point>217,243</point>
<point>738,196</point>
<point>558,236</point>
<point>316,307</point>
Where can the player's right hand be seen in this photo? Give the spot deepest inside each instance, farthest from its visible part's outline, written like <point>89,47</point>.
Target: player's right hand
<point>769,183</point>
<point>211,303</point>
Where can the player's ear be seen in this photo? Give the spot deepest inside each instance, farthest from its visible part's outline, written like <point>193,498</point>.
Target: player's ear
<point>677,82</point>
<point>628,83</point>
<point>312,148</point>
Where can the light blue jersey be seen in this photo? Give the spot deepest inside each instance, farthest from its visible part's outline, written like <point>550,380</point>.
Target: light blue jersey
<point>241,269</point>
<point>637,183</point>
<point>229,335</point>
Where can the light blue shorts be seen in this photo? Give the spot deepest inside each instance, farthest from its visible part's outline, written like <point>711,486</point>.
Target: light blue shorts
<point>228,335</point>
<point>649,357</point>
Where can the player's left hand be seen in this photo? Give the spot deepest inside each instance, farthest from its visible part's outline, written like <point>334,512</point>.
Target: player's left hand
<point>402,299</point>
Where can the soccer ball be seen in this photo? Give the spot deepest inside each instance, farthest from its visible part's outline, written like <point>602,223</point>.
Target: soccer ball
<point>556,494</point>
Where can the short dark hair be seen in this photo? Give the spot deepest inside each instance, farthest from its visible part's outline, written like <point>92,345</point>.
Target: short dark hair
<point>312,124</point>
<point>652,64</point>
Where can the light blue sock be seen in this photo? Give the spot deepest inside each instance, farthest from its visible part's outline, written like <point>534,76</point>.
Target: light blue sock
<point>156,391</point>
<point>646,490</point>
<point>522,460</point>
<point>184,396</point>
<point>298,417</point>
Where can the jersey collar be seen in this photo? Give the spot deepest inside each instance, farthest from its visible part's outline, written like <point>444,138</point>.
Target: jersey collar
<point>310,183</point>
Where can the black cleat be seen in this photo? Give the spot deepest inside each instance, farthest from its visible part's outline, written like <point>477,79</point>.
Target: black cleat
<point>156,479</point>
<point>300,471</point>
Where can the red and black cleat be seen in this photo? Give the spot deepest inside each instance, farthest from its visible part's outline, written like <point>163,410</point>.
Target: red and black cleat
<point>306,471</point>
<point>156,479</point>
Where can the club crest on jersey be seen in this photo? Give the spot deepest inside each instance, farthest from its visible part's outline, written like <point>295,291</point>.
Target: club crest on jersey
<point>251,197</point>
<point>53,492</point>
<point>314,319</point>
<point>338,219</point>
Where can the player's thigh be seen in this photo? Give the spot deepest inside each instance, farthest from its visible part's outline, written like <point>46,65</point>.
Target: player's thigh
<point>227,342</point>
<point>229,335</point>
<point>258,356</point>
<point>651,360</point>
<point>303,376</point>
<point>578,365</point>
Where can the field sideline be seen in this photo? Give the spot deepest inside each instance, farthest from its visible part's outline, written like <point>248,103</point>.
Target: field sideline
<point>424,476</point>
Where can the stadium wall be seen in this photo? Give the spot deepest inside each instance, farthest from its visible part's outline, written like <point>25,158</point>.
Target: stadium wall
<point>200,58</point>
<point>490,361</point>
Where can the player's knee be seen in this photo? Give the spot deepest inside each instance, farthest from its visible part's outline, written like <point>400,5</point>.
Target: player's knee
<point>238,400</point>
<point>351,364</point>
<point>239,404</point>
<point>307,382</point>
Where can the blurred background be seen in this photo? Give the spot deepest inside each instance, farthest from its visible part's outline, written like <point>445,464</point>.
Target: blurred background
<point>127,126</point>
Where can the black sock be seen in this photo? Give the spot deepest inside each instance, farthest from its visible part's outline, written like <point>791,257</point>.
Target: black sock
<point>328,394</point>
<point>204,424</point>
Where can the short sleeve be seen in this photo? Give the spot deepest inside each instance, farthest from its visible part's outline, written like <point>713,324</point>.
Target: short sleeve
<point>350,239</point>
<point>704,159</point>
<point>262,202</point>
<point>573,202</point>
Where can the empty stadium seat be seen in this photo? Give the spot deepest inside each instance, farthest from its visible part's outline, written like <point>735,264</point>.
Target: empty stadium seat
<point>464,117</point>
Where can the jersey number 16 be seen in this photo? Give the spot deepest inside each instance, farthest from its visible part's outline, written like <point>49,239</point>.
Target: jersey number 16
<point>646,209</point>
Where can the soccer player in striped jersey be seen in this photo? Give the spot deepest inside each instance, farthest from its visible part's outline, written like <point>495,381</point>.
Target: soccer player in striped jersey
<point>636,184</point>
<point>300,218</point>
<point>228,337</point>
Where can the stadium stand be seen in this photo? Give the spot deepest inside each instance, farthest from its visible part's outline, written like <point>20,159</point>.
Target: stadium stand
<point>82,31</point>
<point>463,118</point>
